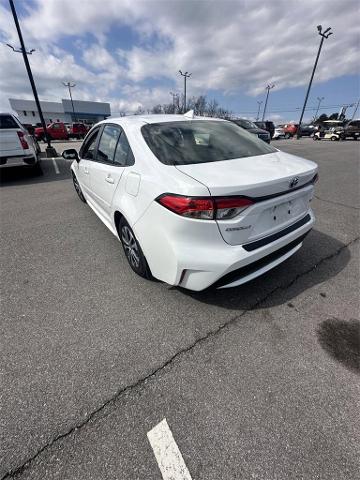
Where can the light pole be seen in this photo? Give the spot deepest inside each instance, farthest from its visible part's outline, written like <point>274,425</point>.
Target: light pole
<point>320,99</point>
<point>268,88</point>
<point>259,107</point>
<point>50,151</point>
<point>186,75</point>
<point>70,86</point>
<point>323,35</point>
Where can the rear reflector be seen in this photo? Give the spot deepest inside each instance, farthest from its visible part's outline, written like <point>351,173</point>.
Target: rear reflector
<point>205,208</point>
<point>23,142</point>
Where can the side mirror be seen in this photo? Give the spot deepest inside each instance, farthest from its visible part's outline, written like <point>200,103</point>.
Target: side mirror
<point>71,154</point>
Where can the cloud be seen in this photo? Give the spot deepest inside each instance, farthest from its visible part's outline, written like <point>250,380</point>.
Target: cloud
<point>229,46</point>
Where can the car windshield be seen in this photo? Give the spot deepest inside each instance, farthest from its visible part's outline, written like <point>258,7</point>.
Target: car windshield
<point>245,124</point>
<point>201,141</point>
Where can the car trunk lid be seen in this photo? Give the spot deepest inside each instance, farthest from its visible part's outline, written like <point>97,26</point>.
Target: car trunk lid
<point>279,183</point>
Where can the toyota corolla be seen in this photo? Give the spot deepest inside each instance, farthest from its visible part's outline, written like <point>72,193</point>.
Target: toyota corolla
<point>194,201</point>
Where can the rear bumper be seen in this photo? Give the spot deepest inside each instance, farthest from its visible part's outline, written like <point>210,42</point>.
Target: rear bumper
<point>193,255</point>
<point>18,160</point>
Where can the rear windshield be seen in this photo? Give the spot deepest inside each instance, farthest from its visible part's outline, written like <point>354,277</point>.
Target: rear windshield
<point>201,141</point>
<point>245,123</point>
<point>7,121</point>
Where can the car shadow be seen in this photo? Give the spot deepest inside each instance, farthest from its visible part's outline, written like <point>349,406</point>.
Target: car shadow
<point>341,340</point>
<point>310,259</point>
<point>47,171</point>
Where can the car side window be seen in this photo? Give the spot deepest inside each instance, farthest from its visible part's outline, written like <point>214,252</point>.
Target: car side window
<point>88,149</point>
<point>107,145</point>
<point>123,153</point>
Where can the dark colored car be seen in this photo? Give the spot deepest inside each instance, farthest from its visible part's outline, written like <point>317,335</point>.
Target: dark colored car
<point>268,126</point>
<point>252,128</point>
<point>307,130</point>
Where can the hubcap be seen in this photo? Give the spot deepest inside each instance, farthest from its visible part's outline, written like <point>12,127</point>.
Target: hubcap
<point>130,246</point>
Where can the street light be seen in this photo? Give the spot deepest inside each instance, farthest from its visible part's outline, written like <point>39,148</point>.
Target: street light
<point>50,151</point>
<point>259,107</point>
<point>70,86</point>
<point>320,99</point>
<point>186,75</point>
<point>268,88</point>
<point>323,35</point>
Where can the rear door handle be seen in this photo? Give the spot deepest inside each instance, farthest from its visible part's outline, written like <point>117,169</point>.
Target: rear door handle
<point>109,179</point>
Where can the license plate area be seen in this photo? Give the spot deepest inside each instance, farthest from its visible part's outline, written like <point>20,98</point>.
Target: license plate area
<point>280,215</point>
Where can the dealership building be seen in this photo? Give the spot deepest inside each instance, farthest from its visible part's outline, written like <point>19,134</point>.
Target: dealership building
<point>84,111</point>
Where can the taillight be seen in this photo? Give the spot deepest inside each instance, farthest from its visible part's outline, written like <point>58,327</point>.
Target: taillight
<point>230,207</point>
<point>23,142</point>
<point>315,178</point>
<point>189,206</point>
<point>205,208</point>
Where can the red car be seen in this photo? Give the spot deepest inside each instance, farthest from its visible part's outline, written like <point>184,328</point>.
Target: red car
<point>77,130</point>
<point>56,130</point>
<point>290,129</point>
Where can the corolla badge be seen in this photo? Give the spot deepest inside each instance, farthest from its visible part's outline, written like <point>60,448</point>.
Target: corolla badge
<point>294,182</point>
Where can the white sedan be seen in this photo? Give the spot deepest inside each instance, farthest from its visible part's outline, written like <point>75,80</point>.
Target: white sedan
<point>194,201</point>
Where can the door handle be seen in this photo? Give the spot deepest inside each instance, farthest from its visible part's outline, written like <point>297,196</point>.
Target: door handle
<point>86,170</point>
<point>109,179</point>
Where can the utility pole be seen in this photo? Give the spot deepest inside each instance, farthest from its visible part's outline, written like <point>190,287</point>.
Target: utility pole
<point>50,151</point>
<point>186,75</point>
<point>268,88</point>
<point>320,99</point>
<point>258,112</point>
<point>323,35</point>
<point>70,86</point>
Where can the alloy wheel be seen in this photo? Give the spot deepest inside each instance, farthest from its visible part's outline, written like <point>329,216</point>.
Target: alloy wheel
<point>130,246</point>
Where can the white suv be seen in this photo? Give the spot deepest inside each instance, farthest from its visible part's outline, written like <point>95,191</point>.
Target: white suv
<point>17,146</point>
<point>194,201</point>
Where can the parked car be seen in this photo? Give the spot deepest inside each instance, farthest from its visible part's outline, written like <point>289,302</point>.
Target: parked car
<point>278,133</point>
<point>76,130</point>
<point>56,131</point>
<point>268,126</point>
<point>350,130</point>
<point>307,130</point>
<point>17,146</point>
<point>194,201</point>
<point>290,129</point>
<point>252,128</point>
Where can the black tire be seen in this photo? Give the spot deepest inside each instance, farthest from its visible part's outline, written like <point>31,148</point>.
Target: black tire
<point>132,250</point>
<point>78,188</point>
<point>315,138</point>
<point>287,135</point>
<point>334,139</point>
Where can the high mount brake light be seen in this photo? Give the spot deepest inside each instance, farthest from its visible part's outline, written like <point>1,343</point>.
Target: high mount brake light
<point>205,208</point>
<point>23,142</point>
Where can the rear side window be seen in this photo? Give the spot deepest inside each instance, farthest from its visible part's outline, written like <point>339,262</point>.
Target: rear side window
<point>201,141</point>
<point>107,144</point>
<point>7,121</point>
<point>123,153</point>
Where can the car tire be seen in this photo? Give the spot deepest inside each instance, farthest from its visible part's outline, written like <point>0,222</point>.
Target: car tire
<point>78,188</point>
<point>287,135</point>
<point>315,138</point>
<point>334,139</point>
<point>132,250</point>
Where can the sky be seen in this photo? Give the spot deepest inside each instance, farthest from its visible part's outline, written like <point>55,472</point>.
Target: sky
<point>129,52</point>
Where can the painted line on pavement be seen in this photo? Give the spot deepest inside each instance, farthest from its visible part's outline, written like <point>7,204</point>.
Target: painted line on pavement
<point>57,171</point>
<point>167,453</point>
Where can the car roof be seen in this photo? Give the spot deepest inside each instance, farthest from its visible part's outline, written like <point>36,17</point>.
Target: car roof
<point>155,118</point>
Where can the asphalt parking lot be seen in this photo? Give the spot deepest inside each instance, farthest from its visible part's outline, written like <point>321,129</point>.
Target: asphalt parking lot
<point>259,381</point>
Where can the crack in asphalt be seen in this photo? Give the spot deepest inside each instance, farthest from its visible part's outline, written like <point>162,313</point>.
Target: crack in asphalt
<point>17,471</point>
<point>337,203</point>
